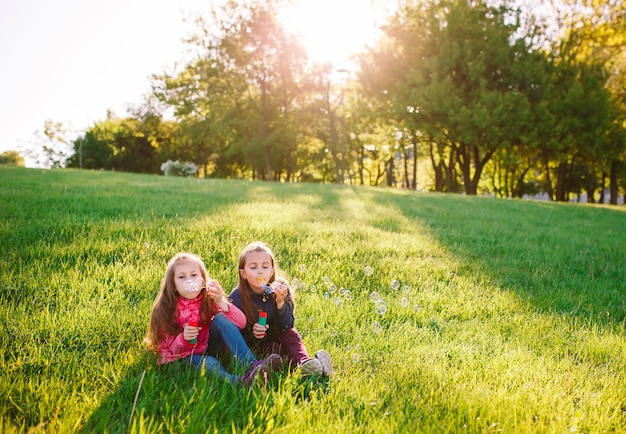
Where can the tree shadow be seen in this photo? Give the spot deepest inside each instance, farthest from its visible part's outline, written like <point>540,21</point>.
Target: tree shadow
<point>559,258</point>
<point>177,397</point>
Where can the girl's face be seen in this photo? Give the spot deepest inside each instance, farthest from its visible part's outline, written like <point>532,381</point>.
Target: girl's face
<point>258,264</point>
<point>188,279</point>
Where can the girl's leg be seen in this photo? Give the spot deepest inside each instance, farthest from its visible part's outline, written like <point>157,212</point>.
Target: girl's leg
<point>213,365</point>
<point>224,333</point>
<point>293,346</point>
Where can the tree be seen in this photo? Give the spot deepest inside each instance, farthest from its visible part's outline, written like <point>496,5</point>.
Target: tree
<point>125,144</point>
<point>11,158</point>
<point>452,70</point>
<point>52,148</point>
<point>240,97</point>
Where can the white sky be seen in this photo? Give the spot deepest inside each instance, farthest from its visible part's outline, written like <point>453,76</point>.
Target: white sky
<point>70,60</point>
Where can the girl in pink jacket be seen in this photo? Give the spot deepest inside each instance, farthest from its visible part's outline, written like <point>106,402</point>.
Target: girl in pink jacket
<point>191,319</point>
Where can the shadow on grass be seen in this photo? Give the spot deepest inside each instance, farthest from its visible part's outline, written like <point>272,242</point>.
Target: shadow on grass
<point>560,258</point>
<point>179,398</point>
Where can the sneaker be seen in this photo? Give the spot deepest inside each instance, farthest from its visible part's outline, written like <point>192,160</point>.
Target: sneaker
<point>325,360</point>
<point>256,371</point>
<point>312,366</point>
<point>274,362</point>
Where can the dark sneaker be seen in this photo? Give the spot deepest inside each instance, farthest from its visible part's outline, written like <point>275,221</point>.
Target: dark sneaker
<point>274,362</point>
<point>325,360</point>
<point>312,366</point>
<point>257,371</point>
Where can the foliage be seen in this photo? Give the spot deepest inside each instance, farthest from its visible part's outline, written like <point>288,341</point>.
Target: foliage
<point>482,96</point>
<point>51,147</point>
<point>240,98</point>
<point>512,318</point>
<point>476,90</point>
<point>176,168</point>
<point>12,158</point>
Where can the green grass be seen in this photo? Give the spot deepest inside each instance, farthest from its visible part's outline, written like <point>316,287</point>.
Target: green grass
<point>512,319</point>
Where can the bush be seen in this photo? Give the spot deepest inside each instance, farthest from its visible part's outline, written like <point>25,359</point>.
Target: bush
<point>11,158</point>
<point>175,168</point>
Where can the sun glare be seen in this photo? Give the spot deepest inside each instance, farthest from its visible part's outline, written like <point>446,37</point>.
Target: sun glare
<point>333,30</point>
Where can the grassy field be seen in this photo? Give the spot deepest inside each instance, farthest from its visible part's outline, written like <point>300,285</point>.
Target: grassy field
<point>509,315</point>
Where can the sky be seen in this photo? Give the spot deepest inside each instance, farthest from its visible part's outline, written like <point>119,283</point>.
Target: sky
<point>70,61</point>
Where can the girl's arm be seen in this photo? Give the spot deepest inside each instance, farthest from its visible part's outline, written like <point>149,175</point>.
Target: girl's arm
<point>234,315</point>
<point>173,347</point>
<point>284,315</point>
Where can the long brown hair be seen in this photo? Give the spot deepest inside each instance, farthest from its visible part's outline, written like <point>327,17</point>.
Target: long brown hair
<point>245,290</point>
<point>164,310</point>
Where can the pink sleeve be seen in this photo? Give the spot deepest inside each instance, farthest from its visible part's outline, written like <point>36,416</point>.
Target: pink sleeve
<point>236,316</point>
<point>173,348</point>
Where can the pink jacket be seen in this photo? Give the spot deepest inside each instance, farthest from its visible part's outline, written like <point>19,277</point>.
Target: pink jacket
<point>174,347</point>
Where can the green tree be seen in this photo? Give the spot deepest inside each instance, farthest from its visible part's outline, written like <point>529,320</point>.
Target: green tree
<point>52,148</point>
<point>125,144</point>
<point>239,99</point>
<point>588,54</point>
<point>452,70</point>
<point>11,158</point>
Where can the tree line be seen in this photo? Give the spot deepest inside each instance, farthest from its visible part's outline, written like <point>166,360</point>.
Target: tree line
<point>456,96</point>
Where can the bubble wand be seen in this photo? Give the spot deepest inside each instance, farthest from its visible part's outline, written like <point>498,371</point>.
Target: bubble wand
<point>193,324</point>
<point>192,286</point>
<point>267,290</point>
<point>263,318</point>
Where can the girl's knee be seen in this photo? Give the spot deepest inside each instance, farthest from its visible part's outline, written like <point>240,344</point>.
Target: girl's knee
<point>220,321</point>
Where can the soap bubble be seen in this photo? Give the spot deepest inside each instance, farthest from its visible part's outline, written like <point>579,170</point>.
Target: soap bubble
<point>194,285</point>
<point>381,307</point>
<point>313,288</point>
<point>404,301</point>
<point>327,295</point>
<point>368,270</point>
<point>338,301</point>
<point>406,289</point>
<point>303,268</point>
<point>377,327</point>
<point>347,294</point>
<point>374,296</point>
<point>356,357</point>
<point>394,284</point>
<point>295,283</point>
<point>332,288</point>
<point>326,280</point>
<point>302,286</point>
<point>417,307</point>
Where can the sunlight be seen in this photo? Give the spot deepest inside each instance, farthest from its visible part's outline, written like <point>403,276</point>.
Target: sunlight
<point>333,30</point>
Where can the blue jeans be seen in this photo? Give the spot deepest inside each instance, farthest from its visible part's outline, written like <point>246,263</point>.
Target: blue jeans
<point>223,332</point>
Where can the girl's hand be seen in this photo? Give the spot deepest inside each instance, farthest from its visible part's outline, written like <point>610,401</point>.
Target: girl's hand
<point>280,289</point>
<point>191,332</point>
<point>215,291</point>
<point>258,331</point>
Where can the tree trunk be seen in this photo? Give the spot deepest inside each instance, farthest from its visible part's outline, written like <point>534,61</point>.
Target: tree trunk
<point>406,169</point>
<point>389,171</point>
<point>546,163</point>
<point>361,156</point>
<point>438,169</point>
<point>560,182</point>
<point>414,182</point>
<point>613,182</point>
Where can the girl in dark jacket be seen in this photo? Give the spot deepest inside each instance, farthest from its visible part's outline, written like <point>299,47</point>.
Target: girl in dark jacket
<point>264,296</point>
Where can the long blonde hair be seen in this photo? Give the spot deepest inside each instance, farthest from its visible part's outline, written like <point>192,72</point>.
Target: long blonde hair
<point>245,290</point>
<point>164,311</point>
